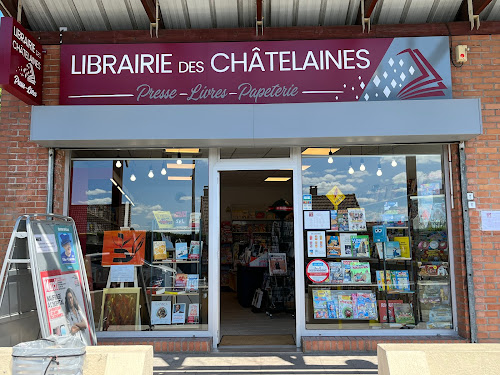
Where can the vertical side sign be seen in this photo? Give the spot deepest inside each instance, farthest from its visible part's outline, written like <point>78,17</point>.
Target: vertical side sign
<point>21,62</point>
<point>61,281</point>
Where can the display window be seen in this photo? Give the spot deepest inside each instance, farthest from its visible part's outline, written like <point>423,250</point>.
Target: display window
<point>377,252</point>
<point>142,219</point>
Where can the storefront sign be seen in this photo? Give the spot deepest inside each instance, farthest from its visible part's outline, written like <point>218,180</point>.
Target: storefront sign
<point>335,196</point>
<point>256,72</point>
<point>317,271</point>
<point>21,61</point>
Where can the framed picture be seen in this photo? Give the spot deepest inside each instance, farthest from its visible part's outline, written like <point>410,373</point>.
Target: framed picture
<point>120,309</point>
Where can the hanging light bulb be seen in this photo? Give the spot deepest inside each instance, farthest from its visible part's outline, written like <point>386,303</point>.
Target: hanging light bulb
<point>179,161</point>
<point>351,169</point>
<point>394,163</point>
<point>379,170</point>
<point>362,167</point>
<point>118,164</point>
<point>151,174</point>
<point>132,177</point>
<point>163,171</point>
<point>330,158</point>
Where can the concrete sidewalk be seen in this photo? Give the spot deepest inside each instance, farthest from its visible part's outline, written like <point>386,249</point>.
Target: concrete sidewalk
<point>275,363</point>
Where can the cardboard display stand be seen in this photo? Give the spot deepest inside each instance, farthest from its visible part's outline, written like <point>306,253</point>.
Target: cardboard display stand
<point>48,244</point>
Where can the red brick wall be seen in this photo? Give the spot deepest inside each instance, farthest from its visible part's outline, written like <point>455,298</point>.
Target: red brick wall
<point>479,77</point>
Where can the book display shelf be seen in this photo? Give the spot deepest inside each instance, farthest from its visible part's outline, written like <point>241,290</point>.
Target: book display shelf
<point>178,289</point>
<point>376,275</point>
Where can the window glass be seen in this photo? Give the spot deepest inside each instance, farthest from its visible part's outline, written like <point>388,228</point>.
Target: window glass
<point>375,235</point>
<point>143,229</point>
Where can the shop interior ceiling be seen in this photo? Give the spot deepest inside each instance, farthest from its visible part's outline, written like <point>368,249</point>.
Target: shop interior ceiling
<point>256,179</point>
<point>105,15</point>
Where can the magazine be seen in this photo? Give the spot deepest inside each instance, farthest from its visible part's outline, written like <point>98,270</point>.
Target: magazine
<point>345,244</point>
<point>193,313</point>
<point>320,314</point>
<point>382,309</point>
<point>346,270</point>
<point>334,224</point>
<point>360,272</point>
<point>336,273</point>
<point>332,308</point>
<point>159,250</point>
<point>181,251</point>
<point>332,246</point>
<point>320,297</point>
<point>343,220</point>
<point>403,313</point>
<point>392,250</point>
<point>360,246</point>
<point>345,307</point>
<point>357,220</point>
<point>365,306</point>
<point>194,250</point>
<point>192,283</point>
<point>277,264</point>
<point>179,313</point>
<point>384,282</point>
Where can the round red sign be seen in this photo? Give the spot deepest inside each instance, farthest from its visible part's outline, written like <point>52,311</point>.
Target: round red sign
<point>317,270</point>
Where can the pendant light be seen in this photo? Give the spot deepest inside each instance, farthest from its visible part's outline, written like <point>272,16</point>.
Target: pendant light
<point>179,161</point>
<point>163,170</point>
<point>118,164</point>
<point>151,174</point>
<point>351,169</point>
<point>330,157</point>
<point>394,163</point>
<point>132,177</point>
<point>362,167</point>
<point>379,170</point>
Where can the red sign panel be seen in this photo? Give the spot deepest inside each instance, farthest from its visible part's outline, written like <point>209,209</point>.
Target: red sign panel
<point>21,62</point>
<point>124,247</point>
<point>256,72</point>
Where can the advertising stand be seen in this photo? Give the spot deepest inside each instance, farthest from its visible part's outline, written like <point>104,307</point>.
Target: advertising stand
<point>50,247</point>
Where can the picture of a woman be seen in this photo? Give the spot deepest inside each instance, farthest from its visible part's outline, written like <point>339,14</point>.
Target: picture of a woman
<point>74,315</point>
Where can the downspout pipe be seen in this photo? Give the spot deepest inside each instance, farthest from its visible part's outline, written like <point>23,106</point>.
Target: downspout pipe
<point>468,245</point>
<point>50,181</point>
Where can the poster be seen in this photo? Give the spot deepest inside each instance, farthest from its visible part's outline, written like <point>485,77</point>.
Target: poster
<point>316,243</point>
<point>66,247</point>
<point>490,220</point>
<point>307,202</point>
<point>317,220</point>
<point>63,295</point>
<point>161,312</point>
<point>120,307</point>
<point>277,264</point>
<point>122,274</point>
<point>124,247</point>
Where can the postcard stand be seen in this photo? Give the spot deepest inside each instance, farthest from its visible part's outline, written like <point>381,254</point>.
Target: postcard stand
<point>36,248</point>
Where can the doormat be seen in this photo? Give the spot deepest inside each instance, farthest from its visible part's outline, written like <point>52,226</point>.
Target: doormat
<point>256,340</point>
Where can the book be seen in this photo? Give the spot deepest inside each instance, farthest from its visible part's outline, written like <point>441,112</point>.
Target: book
<point>194,220</point>
<point>320,314</point>
<point>181,251</point>
<point>161,312</point>
<point>192,283</point>
<point>404,244</point>
<point>332,308</point>
<point>392,250</point>
<point>346,270</point>
<point>320,297</point>
<point>181,280</point>
<point>345,306</point>
<point>193,313</point>
<point>360,246</point>
<point>365,306</point>
<point>345,244</point>
<point>343,220</point>
<point>179,313</point>
<point>403,313</point>
<point>159,250</point>
<point>379,233</point>
<point>357,219</point>
<point>194,250</point>
<point>332,246</point>
<point>401,280</point>
<point>334,224</point>
<point>336,273</point>
<point>384,282</point>
<point>277,264</point>
<point>360,272</point>
<point>382,310</point>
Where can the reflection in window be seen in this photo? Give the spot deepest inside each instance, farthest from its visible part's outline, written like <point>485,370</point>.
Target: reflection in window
<point>143,228</point>
<point>382,260</point>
